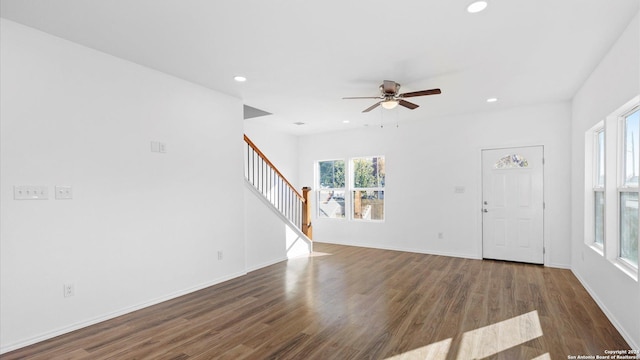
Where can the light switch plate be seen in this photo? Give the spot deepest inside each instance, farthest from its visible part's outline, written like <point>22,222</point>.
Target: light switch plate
<point>64,192</point>
<point>27,192</point>
<point>159,147</point>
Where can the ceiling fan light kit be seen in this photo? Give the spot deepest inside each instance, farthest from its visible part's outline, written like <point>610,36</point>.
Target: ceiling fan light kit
<point>389,104</point>
<point>390,98</point>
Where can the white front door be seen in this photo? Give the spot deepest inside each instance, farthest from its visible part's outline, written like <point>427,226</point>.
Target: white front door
<point>512,198</point>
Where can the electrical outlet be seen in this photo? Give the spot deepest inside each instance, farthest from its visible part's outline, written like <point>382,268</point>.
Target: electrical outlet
<point>63,192</point>
<point>69,290</point>
<point>25,192</point>
<point>219,255</point>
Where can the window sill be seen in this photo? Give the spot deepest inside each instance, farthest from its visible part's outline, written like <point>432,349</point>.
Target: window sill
<point>597,248</point>
<point>331,219</point>
<point>625,268</point>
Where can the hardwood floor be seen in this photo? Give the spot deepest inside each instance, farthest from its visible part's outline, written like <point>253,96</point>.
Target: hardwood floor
<point>357,303</point>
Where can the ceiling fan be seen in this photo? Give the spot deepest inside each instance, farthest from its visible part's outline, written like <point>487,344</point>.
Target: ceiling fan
<point>389,97</point>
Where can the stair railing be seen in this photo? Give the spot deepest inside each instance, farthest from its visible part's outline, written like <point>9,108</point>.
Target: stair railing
<point>269,181</point>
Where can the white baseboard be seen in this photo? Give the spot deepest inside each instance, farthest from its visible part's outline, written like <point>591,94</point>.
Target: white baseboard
<point>399,248</point>
<point>558,266</point>
<point>265,264</point>
<point>428,252</point>
<point>51,334</point>
<point>632,342</point>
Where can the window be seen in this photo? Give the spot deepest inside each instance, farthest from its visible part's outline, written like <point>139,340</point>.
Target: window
<point>331,191</point>
<point>367,188</point>
<point>364,191</point>
<point>598,187</point>
<point>511,161</point>
<point>628,190</point>
<point>612,164</point>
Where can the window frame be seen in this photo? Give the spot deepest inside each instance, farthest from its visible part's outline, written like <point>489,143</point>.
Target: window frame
<point>352,189</point>
<point>592,187</point>
<point>334,189</point>
<point>599,156</point>
<point>621,116</point>
<point>348,190</point>
<point>614,186</point>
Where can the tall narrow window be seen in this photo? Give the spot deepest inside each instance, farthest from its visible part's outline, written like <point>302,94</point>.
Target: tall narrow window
<point>331,175</point>
<point>598,187</point>
<point>367,190</point>
<point>628,191</point>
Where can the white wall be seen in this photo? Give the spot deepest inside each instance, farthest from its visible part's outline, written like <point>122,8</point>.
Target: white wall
<point>425,160</point>
<point>269,237</point>
<point>279,147</point>
<point>142,227</point>
<point>614,82</point>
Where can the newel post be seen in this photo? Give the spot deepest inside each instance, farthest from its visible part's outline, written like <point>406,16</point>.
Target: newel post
<point>306,212</point>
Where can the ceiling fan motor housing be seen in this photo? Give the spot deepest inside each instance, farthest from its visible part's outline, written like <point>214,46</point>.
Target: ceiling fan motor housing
<point>389,88</point>
<point>389,95</point>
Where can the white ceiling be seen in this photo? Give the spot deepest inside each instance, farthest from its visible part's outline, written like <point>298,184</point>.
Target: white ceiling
<point>302,57</point>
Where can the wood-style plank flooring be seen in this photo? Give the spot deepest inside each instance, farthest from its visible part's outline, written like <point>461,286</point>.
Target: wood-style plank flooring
<point>358,303</point>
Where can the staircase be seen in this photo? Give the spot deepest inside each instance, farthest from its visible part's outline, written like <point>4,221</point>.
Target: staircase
<point>275,189</point>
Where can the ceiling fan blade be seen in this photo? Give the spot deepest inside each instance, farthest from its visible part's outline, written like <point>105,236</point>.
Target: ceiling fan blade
<point>361,97</point>
<point>420,93</point>
<point>407,104</point>
<point>372,107</point>
<point>389,87</point>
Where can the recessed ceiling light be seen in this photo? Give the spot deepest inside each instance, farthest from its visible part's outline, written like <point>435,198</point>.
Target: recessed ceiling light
<point>492,100</point>
<point>240,78</point>
<point>298,123</point>
<point>477,6</point>
<point>345,121</point>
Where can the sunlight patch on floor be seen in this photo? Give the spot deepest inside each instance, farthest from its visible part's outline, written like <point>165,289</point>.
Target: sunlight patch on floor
<point>544,356</point>
<point>494,338</point>
<point>485,341</point>
<point>435,351</point>
<point>318,254</point>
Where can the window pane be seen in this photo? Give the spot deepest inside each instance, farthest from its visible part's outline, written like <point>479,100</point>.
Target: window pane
<point>511,161</point>
<point>331,204</point>
<point>599,178</point>
<point>629,227</point>
<point>368,204</point>
<point>599,217</point>
<point>331,174</point>
<point>632,126</point>
<point>368,172</point>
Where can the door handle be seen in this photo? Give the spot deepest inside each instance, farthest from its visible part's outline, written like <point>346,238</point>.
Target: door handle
<point>485,210</point>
